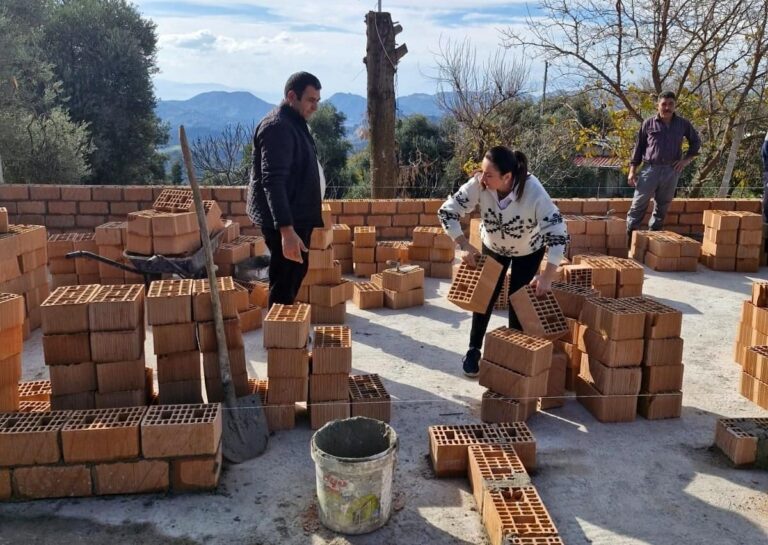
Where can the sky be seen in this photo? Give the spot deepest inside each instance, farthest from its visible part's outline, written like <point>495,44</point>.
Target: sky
<point>255,45</point>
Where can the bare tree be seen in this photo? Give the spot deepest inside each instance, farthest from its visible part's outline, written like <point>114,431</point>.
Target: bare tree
<point>713,54</point>
<point>476,93</point>
<point>224,159</point>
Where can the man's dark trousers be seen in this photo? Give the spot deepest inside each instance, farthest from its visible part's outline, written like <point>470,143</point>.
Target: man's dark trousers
<point>285,276</point>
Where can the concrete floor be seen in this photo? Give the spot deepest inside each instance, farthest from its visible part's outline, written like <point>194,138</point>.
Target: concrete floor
<point>655,483</point>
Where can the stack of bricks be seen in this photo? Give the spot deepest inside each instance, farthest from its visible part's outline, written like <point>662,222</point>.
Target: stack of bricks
<point>116,324</point>
<point>11,348</point>
<point>403,286</point>
<point>732,240</point>
<point>753,325</point>
<point>110,243</point>
<point>389,251</point>
<point>665,250</point>
<point>169,312</point>
<point>364,251</point>
<point>35,396</point>
<point>342,247</point>
<point>433,250</point>
<point>233,301</point>
<point>323,287</point>
<point>23,269</point>
<point>330,365</point>
<point>661,393</point>
<point>515,368</point>
<point>612,276</point>
<point>596,234</point>
<point>744,441</point>
<point>130,450</point>
<point>67,344</point>
<point>368,397</point>
<point>473,287</point>
<point>229,254</point>
<point>367,295</point>
<point>286,331</point>
<point>62,269</point>
<point>752,346</point>
<point>258,294</point>
<point>247,310</point>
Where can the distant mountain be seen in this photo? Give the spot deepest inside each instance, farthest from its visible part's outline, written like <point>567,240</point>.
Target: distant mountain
<point>419,103</point>
<point>174,90</point>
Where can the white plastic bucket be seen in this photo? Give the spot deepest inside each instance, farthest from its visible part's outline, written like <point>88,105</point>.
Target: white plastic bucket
<point>354,464</point>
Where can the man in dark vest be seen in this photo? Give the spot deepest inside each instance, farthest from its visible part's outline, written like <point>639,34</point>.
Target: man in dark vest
<point>285,194</point>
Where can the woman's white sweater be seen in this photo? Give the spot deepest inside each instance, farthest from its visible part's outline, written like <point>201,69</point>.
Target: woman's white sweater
<point>522,228</point>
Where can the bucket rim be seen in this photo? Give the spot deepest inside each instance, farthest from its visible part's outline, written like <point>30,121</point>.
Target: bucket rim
<point>393,447</point>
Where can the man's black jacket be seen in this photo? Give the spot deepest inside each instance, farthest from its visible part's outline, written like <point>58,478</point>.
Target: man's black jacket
<point>285,181</point>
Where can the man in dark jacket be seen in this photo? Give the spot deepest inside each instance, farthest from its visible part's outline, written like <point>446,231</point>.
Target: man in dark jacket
<point>285,195</point>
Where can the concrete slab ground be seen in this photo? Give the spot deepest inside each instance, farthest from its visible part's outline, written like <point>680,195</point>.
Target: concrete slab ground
<point>654,483</point>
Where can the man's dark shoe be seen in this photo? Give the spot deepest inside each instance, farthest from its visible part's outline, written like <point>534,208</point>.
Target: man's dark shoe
<point>471,362</point>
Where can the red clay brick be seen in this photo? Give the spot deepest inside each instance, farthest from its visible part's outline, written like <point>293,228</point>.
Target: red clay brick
<point>44,192</point>
<point>102,435</point>
<point>74,193</point>
<point>52,481</point>
<point>94,207</point>
<point>62,207</point>
<point>31,438</point>
<point>188,474</point>
<point>14,192</point>
<point>31,207</point>
<point>90,221</point>
<point>172,431</point>
<point>137,477</point>
<point>492,467</point>
<point>5,484</point>
<point>410,207</point>
<point>134,193</point>
<point>228,194</point>
<point>352,221</point>
<point>106,193</point>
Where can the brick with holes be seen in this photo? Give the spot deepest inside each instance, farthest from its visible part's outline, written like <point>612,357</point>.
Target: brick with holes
<point>492,467</point>
<point>102,435</point>
<point>31,438</point>
<point>169,431</point>
<point>472,287</point>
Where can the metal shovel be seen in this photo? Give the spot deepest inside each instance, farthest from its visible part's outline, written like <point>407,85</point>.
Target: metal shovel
<point>244,426</point>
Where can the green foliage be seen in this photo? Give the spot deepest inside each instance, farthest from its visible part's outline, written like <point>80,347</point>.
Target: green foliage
<point>103,51</point>
<point>424,152</point>
<point>359,171</point>
<point>38,141</point>
<point>327,126</point>
<point>177,178</point>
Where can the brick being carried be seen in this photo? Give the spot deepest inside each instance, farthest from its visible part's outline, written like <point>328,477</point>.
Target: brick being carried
<point>332,350</point>
<point>368,397</point>
<point>571,297</point>
<point>492,467</point>
<point>740,440</point>
<point>497,408</point>
<point>515,350</point>
<point>473,287</point>
<point>202,310</point>
<point>448,445</point>
<point>169,302</point>
<point>66,309</point>
<point>117,308</point>
<point>539,316</point>
<point>515,512</point>
<point>169,431</point>
<point>102,435</point>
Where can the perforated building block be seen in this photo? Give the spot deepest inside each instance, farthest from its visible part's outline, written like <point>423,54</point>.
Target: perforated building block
<point>66,310</point>
<point>448,444</point>
<point>617,319</point>
<point>67,348</point>
<point>31,438</point>
<point>661,321</point>
<point>611,380</point>
<point>571,297</point>
<point>611,352</point>
<point>287,390</point>
<point>403,299</point>
<point>123,345</point>
<point>365,237</point>
<point>102,435</point>
<point>174,200</point>
<point>169,431</point>
<point>511,383</point>
<point>206,335</point>
<point>134,477</point>
<point>329,387</point>
<point>367,295</point>
<point>369,397</point>
<point>332,350</point>
<point>402,279</point>
<point>472,288</point>
<point>169,302</point>
<point>120,376</point>
<point>11,310</point>
<point>617,408</point>
<point>329,295</point>
<point>115,308</point>
<point>40,482</point>
<point>73,378</point>
<point>660,406</point>
<point>287,326</point>
<point>515,512</point>
<point>36,390</point>
<point>492,467</point>
<point>739,438</point>
<point>540,316</point>
<point>3,220</point>
<point>496,408</point>
<point>202,311</point>
<point>279,417</point>
<point>517,351</point>
<point>192,474</point>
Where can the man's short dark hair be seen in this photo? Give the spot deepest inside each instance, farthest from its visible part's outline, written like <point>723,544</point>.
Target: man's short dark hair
<point>667,94</point>
<point>300,81</point>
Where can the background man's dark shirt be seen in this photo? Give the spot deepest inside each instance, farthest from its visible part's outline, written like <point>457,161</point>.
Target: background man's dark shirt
<point>660,144</point>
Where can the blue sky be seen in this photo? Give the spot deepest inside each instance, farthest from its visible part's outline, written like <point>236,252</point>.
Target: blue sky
<point>256,44</point>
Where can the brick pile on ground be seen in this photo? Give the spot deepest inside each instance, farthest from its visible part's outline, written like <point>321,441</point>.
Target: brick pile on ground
<point>23,269</point>
<point>751,350</point>
<point>286,332</point>
<point>744,441</point>
<point>596,234</point>
<point>613,276</point>
<point>110,243</point>
<point>330,365</point>
<point>388,251</point>
<point>403,286</point>
<point>11,349</point>
<point>367,295</point>
<point>342,247</point>
<point>128,450</point>
<point>433,250</point>
<point>665,251</point>
<point>364,251</point>
<point>233,301</point>
<point>732,240</point>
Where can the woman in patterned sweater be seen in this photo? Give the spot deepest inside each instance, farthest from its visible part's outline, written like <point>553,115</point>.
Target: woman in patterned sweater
<point>519,223</point>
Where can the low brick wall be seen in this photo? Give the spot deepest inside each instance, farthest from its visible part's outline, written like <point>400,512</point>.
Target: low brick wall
<point>82,208</point>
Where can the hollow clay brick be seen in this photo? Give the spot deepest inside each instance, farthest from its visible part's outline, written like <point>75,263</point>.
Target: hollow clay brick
<point>192,474</point>
<point>31,438</point>
<point>287,326</point>
<point>540,316</point>
<point>102,435</point>
<point>472,287</point>
<point>496,408</point>
<point>181,430</point>
<point>492,467</point>
<point>135,477</point>
<point>511,383</point>
<point>40,482</point>
<point>322,413</point>
<point>517,351</point>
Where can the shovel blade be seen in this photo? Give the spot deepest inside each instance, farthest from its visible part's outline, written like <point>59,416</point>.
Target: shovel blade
<point>244,430</point>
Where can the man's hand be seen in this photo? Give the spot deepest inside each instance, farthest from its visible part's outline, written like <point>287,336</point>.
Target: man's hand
<point>680,165</point>
<point>292,244</point>
<point>632,177</point>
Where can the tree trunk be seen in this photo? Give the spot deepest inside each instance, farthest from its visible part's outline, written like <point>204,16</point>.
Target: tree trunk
<point>738,135</point>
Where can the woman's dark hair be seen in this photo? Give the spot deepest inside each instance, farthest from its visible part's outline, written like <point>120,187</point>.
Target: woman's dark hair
<point>507,160</point>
